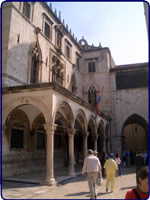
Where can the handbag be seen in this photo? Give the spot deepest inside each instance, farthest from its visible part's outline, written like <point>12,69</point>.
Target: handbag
<point>99,181</point>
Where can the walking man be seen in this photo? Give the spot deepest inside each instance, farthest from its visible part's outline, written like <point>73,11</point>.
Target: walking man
<point>93,168</point>
<point>110,168</point>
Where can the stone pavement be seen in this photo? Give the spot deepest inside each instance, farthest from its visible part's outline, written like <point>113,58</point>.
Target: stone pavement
<point>75,188</point>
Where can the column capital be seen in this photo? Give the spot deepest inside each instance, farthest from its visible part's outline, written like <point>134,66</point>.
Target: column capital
<point>50,128</point>
<point>71,131</point>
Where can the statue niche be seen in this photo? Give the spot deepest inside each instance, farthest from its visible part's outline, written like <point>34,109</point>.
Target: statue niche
<point>57,70</point>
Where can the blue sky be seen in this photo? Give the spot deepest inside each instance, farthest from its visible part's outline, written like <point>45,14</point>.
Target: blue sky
<point>120,26</point>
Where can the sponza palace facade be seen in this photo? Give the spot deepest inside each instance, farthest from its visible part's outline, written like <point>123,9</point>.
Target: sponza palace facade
<point>51,83</point>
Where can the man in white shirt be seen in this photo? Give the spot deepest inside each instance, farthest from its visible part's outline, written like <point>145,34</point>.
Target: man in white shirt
<point>92,166</point>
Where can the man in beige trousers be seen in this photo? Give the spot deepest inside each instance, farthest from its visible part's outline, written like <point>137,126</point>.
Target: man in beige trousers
<point>92,166</point>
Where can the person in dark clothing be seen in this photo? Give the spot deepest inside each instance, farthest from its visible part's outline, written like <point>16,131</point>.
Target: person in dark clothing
<point>139,163</point>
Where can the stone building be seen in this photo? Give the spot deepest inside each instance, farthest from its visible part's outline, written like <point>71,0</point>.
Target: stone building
<point>51,83</point>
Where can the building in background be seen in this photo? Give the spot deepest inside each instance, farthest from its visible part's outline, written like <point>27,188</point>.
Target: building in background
<point>51,83</point>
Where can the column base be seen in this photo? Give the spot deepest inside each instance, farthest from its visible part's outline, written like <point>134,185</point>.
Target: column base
<point>50,182</point>
<point>71,174</point>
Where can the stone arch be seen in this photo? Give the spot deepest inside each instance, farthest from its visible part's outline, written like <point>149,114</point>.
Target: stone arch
<point>64,119</point>
<point>81,113</point>
<point>64,108</point>
<point>135,133</point>
<point>81,128</point>
<point>35,63</point>
<point>17,129</point>
<point>91,118</point>
<point>27,100</point>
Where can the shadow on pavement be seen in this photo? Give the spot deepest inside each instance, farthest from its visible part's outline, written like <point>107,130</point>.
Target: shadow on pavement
<point>125,188</point>
<point>77,194</point>
<point>12,184</point>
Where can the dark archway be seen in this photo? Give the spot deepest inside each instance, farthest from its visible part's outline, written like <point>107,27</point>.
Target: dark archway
<point>100,140</point>
<point>61,146</point>
<point>78,142</point>
<point>91,137</point>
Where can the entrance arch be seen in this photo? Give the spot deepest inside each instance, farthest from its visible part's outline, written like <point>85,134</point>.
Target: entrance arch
<point>135,132</point>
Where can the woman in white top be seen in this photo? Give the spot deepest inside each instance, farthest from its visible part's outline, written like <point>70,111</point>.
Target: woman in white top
<point>118,161</point>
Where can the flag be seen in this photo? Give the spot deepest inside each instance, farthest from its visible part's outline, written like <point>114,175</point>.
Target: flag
<point>98,100</point>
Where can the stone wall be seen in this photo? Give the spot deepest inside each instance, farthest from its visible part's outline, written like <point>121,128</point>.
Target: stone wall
<point>17,54</point>
<point>125,103</point>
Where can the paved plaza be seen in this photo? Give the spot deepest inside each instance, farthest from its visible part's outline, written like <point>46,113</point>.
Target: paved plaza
<point>73,188</point>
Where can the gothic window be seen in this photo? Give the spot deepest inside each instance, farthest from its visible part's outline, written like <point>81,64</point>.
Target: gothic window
<point>27,9</point>
<point>91,66</point>
<point>92,96</point>
<point>17,138</point>
<point>34,65</point>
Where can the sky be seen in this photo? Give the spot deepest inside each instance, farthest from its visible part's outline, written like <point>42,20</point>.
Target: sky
<point>120,26</point>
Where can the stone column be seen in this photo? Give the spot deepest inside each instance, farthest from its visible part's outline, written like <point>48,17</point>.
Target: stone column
<point>50,180</point>
<point>71,133</point>
<point>85,137</point>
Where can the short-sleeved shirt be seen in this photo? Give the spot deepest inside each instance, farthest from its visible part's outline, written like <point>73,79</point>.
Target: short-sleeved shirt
<point>130,194</point>
<point>91,164</point>
<point>110,166</point>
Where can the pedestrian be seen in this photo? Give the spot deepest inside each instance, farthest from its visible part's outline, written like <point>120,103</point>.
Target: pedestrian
<point>118,161</point>
<point>107,155</point>
<point>110,168</point>
<point>139,162</point>
<point>141,191</point>
<point>93,168</point>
